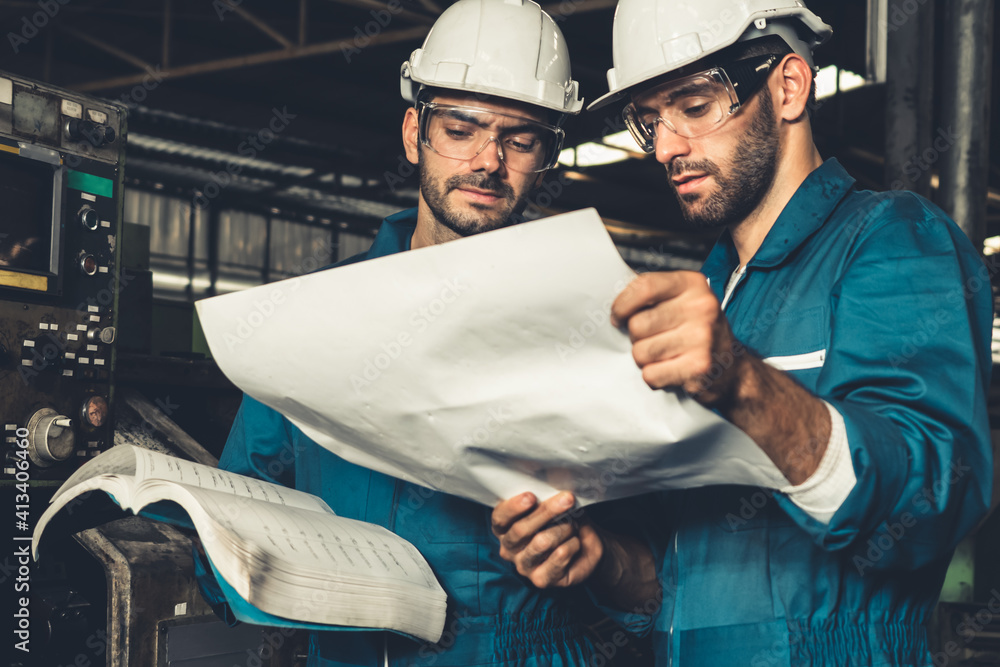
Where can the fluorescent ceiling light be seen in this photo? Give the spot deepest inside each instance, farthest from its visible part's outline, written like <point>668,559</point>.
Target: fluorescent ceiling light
<point>591,154</point>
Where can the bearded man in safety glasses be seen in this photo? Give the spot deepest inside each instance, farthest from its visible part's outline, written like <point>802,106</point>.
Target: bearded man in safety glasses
<point>489,86</point>
<point>802,336</point>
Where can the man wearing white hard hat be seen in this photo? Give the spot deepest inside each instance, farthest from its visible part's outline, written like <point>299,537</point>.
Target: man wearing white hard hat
<point>846,332</point>
<point>489,87</point>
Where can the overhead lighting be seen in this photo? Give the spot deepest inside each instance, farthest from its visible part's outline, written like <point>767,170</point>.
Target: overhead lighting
<point>826,81</point>
<point>991,246</point>
<point>591,154</point>
<point>622,140</point>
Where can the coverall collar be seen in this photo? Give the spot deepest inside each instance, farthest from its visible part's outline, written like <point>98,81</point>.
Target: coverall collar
<point>807,210</point>
<point>395,233</point>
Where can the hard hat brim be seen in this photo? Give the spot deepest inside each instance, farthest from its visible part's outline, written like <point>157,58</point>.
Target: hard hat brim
<point>821,32</point>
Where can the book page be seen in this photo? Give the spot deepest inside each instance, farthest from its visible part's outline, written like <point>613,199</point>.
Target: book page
<point>115,461</point>
<point>152,465</point>
<point>300,539</point>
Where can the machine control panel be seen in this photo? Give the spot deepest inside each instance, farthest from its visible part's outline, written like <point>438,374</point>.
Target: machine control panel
<point>61,159</point>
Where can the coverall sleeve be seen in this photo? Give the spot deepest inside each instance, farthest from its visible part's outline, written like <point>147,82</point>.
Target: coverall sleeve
<point>908,367</point>
<point>260,445</point>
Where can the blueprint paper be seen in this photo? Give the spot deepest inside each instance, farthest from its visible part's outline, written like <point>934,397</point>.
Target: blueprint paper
<point>482,367</point>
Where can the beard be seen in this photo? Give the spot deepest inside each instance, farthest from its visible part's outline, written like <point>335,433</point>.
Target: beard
<point>480,218</point>
<point>744,186</point>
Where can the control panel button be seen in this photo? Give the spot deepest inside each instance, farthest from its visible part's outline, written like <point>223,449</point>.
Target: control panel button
<point>89,131</point>
<point>88,265</point>
<point>89,218</point>
<point>104,335</point>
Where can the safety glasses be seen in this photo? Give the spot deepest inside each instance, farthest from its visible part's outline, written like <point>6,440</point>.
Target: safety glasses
<point>696,105</point>
<point>462,133</point>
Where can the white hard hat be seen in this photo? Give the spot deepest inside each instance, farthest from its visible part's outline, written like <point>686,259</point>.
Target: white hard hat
<point>655,37</point>
<point>506,48</point>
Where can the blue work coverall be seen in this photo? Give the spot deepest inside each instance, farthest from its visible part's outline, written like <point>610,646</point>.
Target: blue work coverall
<point>495,616</point>
<point>880,305</point>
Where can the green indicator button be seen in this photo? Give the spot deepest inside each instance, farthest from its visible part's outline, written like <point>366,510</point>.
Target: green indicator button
<point>95,185</point>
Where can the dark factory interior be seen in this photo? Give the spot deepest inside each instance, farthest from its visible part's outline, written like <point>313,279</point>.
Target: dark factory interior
<point>248,142</point>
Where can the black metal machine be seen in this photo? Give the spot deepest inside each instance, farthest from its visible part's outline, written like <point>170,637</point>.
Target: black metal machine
<point>121,593</point>
<point>61,193</point>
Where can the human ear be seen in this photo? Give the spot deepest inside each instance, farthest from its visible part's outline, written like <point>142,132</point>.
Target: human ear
<point>410,127</point>
<point>795,87</point>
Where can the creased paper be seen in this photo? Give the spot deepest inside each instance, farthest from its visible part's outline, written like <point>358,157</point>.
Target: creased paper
<point>482,367</point>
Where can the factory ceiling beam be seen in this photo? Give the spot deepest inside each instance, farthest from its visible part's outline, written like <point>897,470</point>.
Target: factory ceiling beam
<point>107,48</point>
<point>379,6</point>
<point>562,9</point>
<point>267,57</point>
<point>431,6</point>
<point>165,47</point>
<point>259,24</point>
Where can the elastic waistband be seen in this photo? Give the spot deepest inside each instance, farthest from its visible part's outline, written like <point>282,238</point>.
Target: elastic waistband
<point>797,644</point>
<point>469,640</point>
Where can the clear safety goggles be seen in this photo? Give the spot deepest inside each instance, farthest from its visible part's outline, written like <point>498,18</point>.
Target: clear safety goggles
<point>696,105</point>
<point>462,133</point>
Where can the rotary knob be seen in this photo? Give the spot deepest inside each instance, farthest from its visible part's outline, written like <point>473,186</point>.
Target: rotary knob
<point>104,335</point>
<point>50,438</point>
<point>85,130</point>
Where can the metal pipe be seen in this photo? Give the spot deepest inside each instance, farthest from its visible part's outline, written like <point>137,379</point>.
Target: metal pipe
<point>909,95</point>
<point>963,139</point>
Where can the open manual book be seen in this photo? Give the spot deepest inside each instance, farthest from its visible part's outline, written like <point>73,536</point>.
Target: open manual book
<point>281,550</point>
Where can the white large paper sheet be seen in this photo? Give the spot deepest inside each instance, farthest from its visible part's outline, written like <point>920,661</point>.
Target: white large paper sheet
<point>482,367</point>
